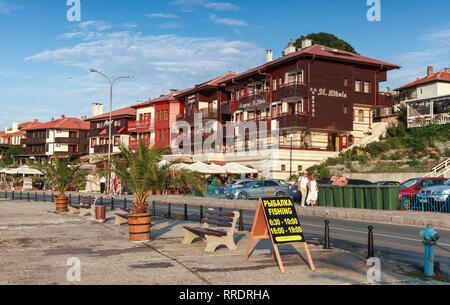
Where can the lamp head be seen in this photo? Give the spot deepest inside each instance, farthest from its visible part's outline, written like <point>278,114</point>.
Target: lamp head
<point>93,70</point>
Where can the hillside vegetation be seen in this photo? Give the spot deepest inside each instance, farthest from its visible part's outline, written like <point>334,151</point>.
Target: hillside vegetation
<point>401,150</point>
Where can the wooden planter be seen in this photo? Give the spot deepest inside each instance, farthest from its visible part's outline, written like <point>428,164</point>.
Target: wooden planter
<point>100,214</point>
<point>61,204</point>
<point>140,227</point>
<point>157,193</point>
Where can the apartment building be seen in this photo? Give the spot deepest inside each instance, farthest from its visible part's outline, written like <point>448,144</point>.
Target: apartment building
<point>63,137</point>
<point>427,99</point>
<point>99,127</point>
<point>13,136</point>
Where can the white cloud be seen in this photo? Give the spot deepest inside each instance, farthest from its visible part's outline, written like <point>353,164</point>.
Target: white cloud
<point>163,16</point>
<point>227,21</point>
<point>7,7</point>
<point>218,6</point>
<point>94,25</point>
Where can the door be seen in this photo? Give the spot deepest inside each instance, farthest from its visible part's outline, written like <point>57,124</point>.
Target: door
<point>256,191</point>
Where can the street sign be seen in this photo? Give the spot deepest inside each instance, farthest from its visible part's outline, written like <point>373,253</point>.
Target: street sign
<point>277,219</point>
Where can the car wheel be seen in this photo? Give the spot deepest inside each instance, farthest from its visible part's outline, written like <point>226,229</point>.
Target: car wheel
<point>242,196</point>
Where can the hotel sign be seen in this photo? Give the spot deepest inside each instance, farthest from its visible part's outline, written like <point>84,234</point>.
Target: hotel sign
<point>329,92</point>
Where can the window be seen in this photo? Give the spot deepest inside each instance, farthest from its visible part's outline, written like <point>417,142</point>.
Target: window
<point>167,114</point>
<point>358,86</point>
<point>300,168</point>
<point>361,116</point>
<point>116,141</point>
<point>283,168</point>
<point>93,142</point>
<point>345,82</point>
<point>274,85</point>
<point>345,109</point>
<point>366,87</point>
<point>157,115</point>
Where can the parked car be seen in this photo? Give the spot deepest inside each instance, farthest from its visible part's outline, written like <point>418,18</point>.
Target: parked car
<point>39,185</point>
<point>388,183</point>
<point>410,188</point>
<point>267,188</point>
<point>324,182</point>
<point>229,190</point>
<point>359,182</point>
<point>437,194</point>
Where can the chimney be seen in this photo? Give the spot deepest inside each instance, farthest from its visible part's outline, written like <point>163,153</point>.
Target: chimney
<point>306,43</point>
<point>97,109</point>
<point>63,116</point>
<point>430,71</point>
<point>290,48</point>
<point>173,91</point>
<point>15,127</point>
<point>269,56</point>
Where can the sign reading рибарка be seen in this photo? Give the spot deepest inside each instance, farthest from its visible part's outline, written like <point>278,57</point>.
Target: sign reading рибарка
<point>282,221</point>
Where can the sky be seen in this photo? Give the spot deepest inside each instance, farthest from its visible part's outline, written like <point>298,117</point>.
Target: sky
<point>175,44</point>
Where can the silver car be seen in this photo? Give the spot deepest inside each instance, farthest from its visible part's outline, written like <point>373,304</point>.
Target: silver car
<point>438,193</point>
<point>230,190</point>
<point>267,188</point>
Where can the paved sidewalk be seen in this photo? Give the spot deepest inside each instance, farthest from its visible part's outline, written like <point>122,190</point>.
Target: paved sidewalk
<point>36,243</point>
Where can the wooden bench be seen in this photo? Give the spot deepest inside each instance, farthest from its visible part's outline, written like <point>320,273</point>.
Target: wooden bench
<point>211,233</point>
<point>86,207</point>
<point>121,218</point>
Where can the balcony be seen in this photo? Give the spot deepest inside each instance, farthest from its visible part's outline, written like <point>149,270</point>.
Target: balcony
<point>104,131</point>
<point>293,90</point>
<point>143,125</point>
<point>33,141</point>
<point>254,101</point>
<point>385,100</point>
<point>66,140</point>
<point>206,115</point>
<point>134,144</point>
<point>102,149</point>
<point>439,119</point>
<point>289,120</point>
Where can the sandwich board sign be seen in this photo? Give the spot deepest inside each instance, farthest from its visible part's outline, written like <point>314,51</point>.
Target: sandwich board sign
<point>277,219</point>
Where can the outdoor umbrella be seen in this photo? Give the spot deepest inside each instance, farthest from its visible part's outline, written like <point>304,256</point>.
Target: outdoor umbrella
<point>235,168</point>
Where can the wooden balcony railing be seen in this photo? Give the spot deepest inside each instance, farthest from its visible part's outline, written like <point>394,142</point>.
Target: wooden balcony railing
<point>385,100</point>
<point>102,149</point>
<point>290,120</point>
<point>134,143</point>
<point>141,125</point>
<point>33,141</point>
<point>291,90</point>
<point>67,140</point>
<point>253,100</point>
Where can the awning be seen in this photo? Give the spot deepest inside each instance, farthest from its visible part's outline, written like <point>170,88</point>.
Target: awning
<point>235,168</point>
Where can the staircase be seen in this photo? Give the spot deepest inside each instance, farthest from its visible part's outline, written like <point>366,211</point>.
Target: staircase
<point>378,129</point>
<point>441,170</point>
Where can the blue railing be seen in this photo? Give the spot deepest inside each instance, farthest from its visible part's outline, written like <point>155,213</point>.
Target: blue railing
<point>242,193</point>
<point>438,203</point>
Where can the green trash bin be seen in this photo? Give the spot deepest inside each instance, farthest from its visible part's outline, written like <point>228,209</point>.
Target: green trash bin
<point>390,197</point>
<point>367,197</point>
<point>349,197</point>
<point>338,195</point>
<point>322,197</point>
<point>359,197</point>
<point>377,198</point>
<point>329,196</point>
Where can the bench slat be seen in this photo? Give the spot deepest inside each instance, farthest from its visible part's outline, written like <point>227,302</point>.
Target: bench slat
<point>214,213</point>
<point>217,222</point>
<point>203,231</point>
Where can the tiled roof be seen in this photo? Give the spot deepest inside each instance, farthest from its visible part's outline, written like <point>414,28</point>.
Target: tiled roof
<point>211,83</point>
<point>439,76</point>
<point>128,111</point>
<point>162,98</point>
<point>320,51</point>
<point>62,123</point>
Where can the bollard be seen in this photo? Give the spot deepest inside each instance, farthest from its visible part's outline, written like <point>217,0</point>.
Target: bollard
<point>6,194</point>
<point>201,214</point>
<point>154,208</point>
<point>185,213</point>
<point>370,248</point>
<point>125,203</point>
<point>241,220</point>
<point>169,212</point>
<point>70,199</point>
<point>20,196</point>
<point>53,197</point>
<point>12,194</point>
<point>327,236</point>
<point>79,200</point>
<point>430,238</point>
<point>112,203</point>
<point>44,197</point>
<point>35,196</point>
<point>28,196</point>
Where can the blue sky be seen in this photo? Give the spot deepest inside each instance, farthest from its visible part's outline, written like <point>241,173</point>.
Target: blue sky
<point>45,59</point>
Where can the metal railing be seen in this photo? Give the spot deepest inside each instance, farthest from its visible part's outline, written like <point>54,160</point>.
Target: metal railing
<point>425,202</point>
<point>244,193</point>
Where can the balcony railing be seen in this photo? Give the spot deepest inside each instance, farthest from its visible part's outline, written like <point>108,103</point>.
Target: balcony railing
<point>253,100</point>
<point>206,115</point>
<point>291,90</point>
<point>289,120</point>
<point>385,100</point>
<point>33,141</point>
<point>102,149</point>
<point>443,118</point>
<point>134,143</point>
<point>104,131</point>
<point>141,125</point>
<point>66,140</point>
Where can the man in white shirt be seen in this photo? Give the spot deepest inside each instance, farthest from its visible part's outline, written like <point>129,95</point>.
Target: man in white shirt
<point>302,185</point>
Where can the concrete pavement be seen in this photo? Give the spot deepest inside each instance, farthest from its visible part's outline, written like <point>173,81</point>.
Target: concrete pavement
<point>36,244</point>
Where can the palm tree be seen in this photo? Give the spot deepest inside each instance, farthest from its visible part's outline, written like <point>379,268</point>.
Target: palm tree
<point>186,181</point>
<point>63,175</point>
<point>140,172</point>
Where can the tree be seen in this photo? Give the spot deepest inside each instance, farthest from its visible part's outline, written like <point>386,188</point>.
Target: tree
<point>63,175</point>
<point>328,40</point>
<point>7,157</point>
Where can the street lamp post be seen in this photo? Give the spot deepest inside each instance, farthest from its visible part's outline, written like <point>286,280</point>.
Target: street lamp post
<point>291,136</point>
<point>111,84</point>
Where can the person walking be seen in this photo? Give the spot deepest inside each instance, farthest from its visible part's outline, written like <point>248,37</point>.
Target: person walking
<point>302,185</point>
<point>313,192</point>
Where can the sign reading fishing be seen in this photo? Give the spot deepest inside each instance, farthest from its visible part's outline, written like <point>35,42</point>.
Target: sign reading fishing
<point>282,220</point>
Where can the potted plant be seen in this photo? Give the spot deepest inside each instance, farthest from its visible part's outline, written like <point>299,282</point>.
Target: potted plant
<point>62,176</point>
<point>140,172</point>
